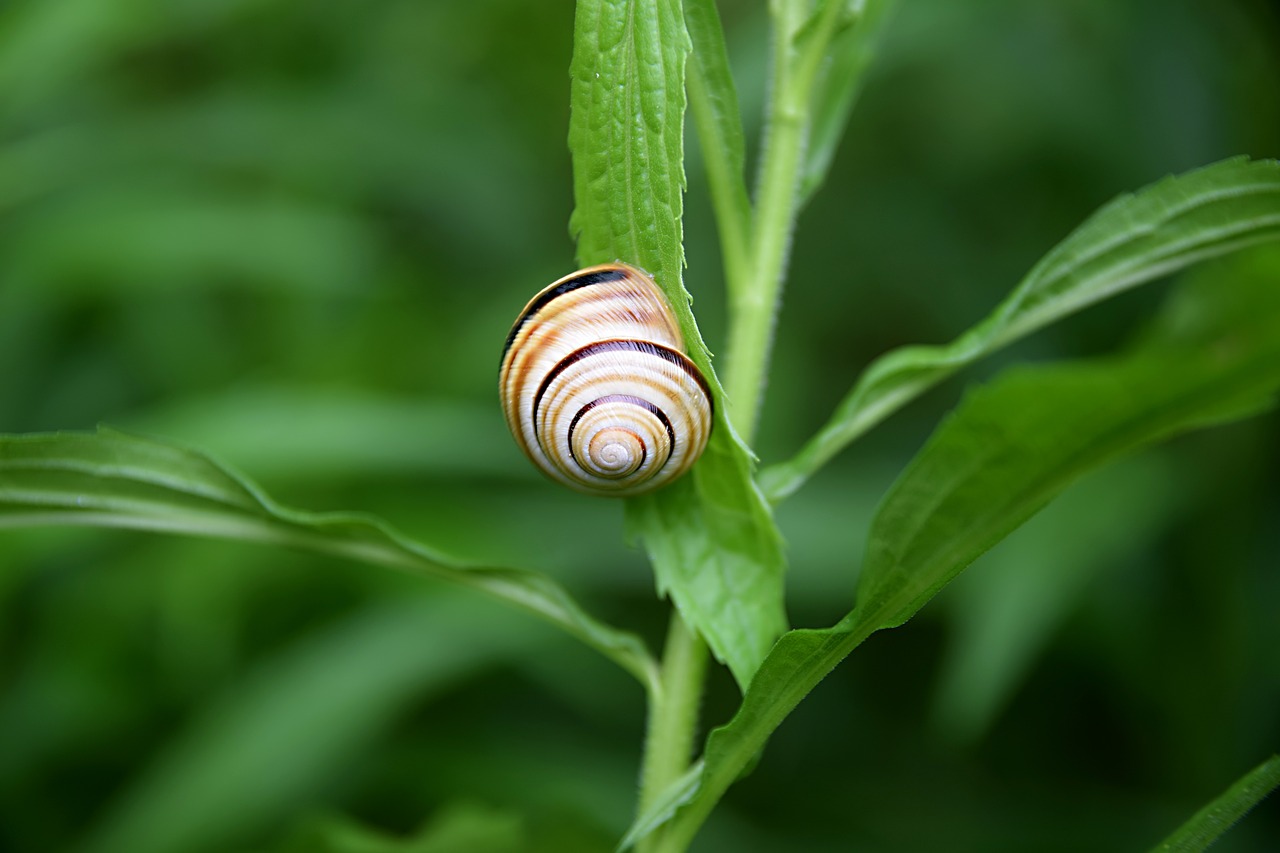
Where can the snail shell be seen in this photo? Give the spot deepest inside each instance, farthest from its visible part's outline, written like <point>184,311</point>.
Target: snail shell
<point>596,387</point>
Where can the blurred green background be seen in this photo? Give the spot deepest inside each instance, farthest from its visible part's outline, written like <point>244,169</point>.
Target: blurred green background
<point>294,234</point>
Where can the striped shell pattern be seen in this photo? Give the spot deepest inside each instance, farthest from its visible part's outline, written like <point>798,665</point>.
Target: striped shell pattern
<point>596,387</point>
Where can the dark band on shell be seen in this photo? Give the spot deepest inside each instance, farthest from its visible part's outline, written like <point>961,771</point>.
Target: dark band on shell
<point>622,398</point>
<point>566,285</point>
<point>596,387</point>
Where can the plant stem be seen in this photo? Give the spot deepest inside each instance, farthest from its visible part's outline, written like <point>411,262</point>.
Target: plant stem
<point>755,273</point>
<point>713,104</point>
<point>753,311</point>
<point>728,193</point>
<point>673,716</point>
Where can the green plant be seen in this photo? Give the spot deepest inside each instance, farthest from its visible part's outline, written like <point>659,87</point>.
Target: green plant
<point>1009,448</point>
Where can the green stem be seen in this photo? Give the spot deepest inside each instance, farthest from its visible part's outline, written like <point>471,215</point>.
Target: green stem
<point>728,193</point>
<point>713,104</point>
<point>754,271</point>
<point>754,309</point>
<point>673,717</point>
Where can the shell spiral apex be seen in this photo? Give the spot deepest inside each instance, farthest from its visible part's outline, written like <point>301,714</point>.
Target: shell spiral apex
<point>596,387</point>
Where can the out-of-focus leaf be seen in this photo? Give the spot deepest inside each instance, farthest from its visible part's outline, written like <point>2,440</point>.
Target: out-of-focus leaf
<point>1208,824</point>
<point>371,150</point>
<point>840,80</point>
<point>47,48</point>
<point>1009,449</point>
<point>109,479</point>
<point>273,430</point>
<point>284,733</point>
<point>462,828</point>
<point>45,45</point>
<point>1014,444</point>
<point>512,767</point>
<point>161,237</point>
<point>710,535</point>
<point>1134,239</point>
<point>1006,609</point>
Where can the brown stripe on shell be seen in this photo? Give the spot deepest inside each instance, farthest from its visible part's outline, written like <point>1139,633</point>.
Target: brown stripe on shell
<point>598,307</point>
<point>612,308</point>
<point>572,283</point>
<point>645,347</point>
<point>659,386</point>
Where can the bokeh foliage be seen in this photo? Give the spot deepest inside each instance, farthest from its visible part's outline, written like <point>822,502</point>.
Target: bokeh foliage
<point>294,234</point>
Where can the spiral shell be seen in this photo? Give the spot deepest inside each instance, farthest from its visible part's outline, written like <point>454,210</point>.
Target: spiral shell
<point>596,387</point>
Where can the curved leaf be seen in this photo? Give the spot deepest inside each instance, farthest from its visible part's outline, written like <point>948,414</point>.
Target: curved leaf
<point>267,745</point>
<point>461,827</point>
<point>1003,617</point>
<point>1008,450</point>
<point>110,479</point>
<point>1207,825</point>
<point>1134,239</point>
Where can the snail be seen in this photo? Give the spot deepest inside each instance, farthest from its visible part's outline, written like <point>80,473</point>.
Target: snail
<point>596,388</point>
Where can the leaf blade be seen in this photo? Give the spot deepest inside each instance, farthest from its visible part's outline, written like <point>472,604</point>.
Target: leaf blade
<point>626,134</point>
<point>1216,358</point>
<point>1014,444</point>
<point>1132,240</point>
<point>717,553</point>
<point>260,748</point>
<point>110,479</point>
<point>1208,824</point>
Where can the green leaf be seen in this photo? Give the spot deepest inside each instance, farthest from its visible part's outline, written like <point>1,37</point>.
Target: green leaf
<point>459,828</point>
<point>1013,445</point>
<point>144,237</point>
<point>1208,824</point>
<point>1007,450</point>
<point>284,430</point>
<point>274,740</point>
<point>1003,614</point>
<point>836,90</point>
<point>1134,239</point>
<point>110,479</point>
<point>718,554</point>
<point>626,134</point>
<point>796,663</point>
<point>711,536</point>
